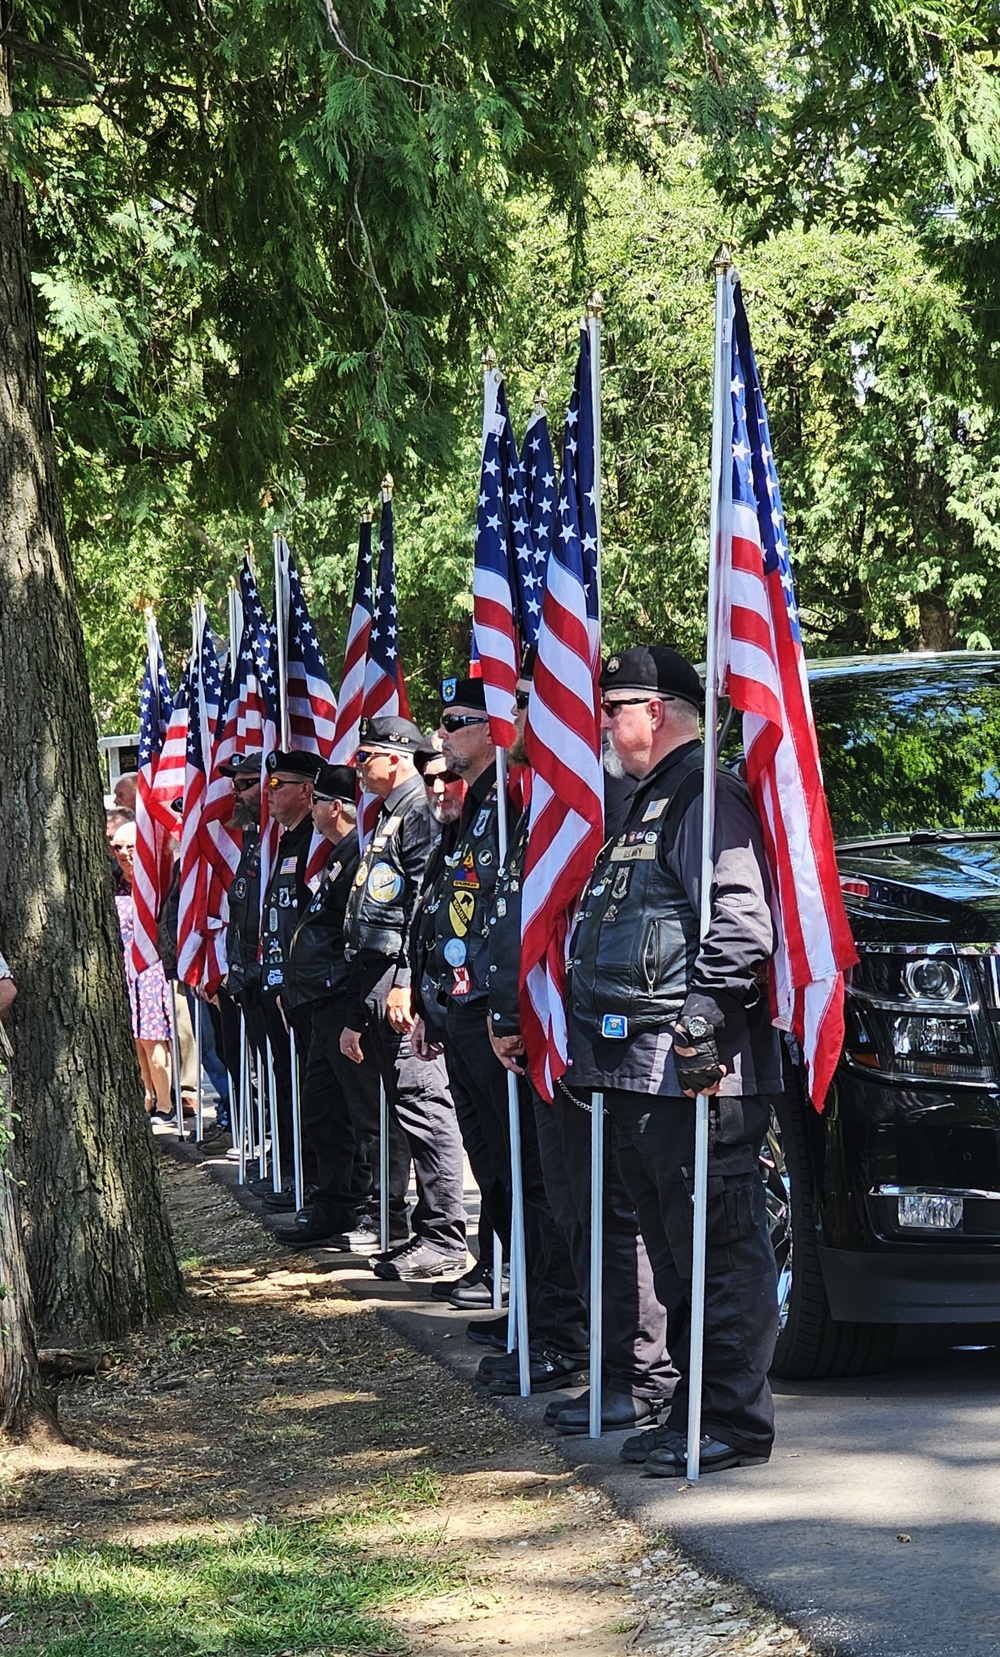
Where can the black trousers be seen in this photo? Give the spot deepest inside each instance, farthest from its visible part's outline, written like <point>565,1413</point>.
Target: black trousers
<point>556,1311</point>
<point>741,1314</point>
<point>340,1124</point>
<point>277,1036</point>
<point>634,1324</point>
<point>419,1098</point>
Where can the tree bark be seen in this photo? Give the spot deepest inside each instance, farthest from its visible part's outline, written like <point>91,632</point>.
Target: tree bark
<point>25,1411</point>
<point>98,1244</point>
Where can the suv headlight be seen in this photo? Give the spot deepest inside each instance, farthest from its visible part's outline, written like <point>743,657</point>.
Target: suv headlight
<point>916,1016</point>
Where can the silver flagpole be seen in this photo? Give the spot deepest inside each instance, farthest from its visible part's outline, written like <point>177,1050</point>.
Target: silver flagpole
<point>517,1314</point>
<point>721,423</point>
<point>199,1124</point>
<point>383,1168</point>
<point>175,1054</point>
<point>261,1081</point>
<point>244,1125</point>
<point>272,1110</point>
<point>595,307</point>
<point>497,1273</point>
<point>293,1059</point>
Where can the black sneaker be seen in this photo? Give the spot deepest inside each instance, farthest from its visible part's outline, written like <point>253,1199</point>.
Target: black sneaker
<point>418,1262</point>
<point>480,1273</point>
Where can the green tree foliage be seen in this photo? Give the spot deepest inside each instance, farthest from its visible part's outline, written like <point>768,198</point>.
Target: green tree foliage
<point>271,240</point>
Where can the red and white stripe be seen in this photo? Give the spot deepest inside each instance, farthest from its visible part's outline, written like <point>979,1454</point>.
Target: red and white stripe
<point>563,741</point>
<point>762,666</point>
<point>157,831</point>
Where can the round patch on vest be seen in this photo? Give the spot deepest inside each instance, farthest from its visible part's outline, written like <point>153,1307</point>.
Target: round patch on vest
<point>362,874</point>
<point>384,883</point>
<point>455,952</point>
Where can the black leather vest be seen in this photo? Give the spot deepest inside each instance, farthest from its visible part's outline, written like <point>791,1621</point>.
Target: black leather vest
<point>316,966</point>
<point>461,908</point>
<point>636,938</point>
<point>422,934</point>
<point>244,918</point>
<point>504,937</point>
<point>283,905</point>
<point>379,907</point>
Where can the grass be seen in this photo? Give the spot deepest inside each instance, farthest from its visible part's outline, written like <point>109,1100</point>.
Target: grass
<point>305,1586</point>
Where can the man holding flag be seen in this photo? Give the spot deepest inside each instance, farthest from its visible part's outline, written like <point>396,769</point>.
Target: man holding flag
<point>657,1017</point>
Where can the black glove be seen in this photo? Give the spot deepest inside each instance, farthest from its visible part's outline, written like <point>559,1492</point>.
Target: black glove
<point>700,1069</point>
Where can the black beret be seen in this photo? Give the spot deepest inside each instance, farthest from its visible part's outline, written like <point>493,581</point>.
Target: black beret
<point>654,668</point>
<point>338,782</point>
<point>429,749</point>
<point>391,731</point>
<point>240,765</point>
<point>464,693</point>
<point>299,764</point>
<point>528,662</point>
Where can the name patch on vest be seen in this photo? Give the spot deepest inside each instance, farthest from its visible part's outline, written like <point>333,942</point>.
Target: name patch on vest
<point>634,854</point>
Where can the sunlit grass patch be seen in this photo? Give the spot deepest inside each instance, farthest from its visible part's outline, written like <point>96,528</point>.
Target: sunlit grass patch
<point>306,1586</point>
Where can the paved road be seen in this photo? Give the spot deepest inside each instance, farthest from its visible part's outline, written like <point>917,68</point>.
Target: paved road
<point>912,1453</point>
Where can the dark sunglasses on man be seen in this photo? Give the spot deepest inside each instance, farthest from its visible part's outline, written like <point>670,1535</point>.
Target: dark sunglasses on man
<point>458,721</point>
<point>243,785</point>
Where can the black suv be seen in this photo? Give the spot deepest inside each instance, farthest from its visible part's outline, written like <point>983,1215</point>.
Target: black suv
<point>886,1210</point>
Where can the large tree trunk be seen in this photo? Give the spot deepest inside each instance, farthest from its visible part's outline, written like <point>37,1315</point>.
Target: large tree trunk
<point>99,1250</point>
<point>24,1409</point>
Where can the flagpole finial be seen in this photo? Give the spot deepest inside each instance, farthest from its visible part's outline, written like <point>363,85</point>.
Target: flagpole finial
<point>231,584</point>
<point>387,487</point>
<point>541,400</point>
<point>723,257</point>
<point>147,615</point>
<point>487,358</point>
<point>595,304</point>
<point>366,514</point>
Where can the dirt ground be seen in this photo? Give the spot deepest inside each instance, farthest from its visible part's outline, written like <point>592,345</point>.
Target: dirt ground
<point>275,1393</point>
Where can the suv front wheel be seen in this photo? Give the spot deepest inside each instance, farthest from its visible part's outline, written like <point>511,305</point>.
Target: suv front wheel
<point>811,1344</point>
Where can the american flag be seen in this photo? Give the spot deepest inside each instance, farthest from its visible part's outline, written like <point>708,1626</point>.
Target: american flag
<point>219,844</point>
<point>503,537</point>
<point>257,653</point>
<point>199,929</point>
<point>312,706</point>
<point>352,683</point>
<point>385,688</point>
<point>153,865</point>
<point>539,470</point>
<point>762,666</point>
<point>563,739</point>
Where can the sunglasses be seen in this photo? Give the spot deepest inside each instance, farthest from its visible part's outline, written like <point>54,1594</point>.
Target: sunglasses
<point>440,776</point>
<point>284,782</point>
<point>522,698</point>
<point>612,709</point>
<point>241,785</point>
<point>459,721</point>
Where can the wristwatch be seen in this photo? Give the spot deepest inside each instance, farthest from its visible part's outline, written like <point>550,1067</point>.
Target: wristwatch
<point>696,1027</point>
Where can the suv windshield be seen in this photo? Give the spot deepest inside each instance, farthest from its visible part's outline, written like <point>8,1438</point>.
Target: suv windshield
<point>910,748</point>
